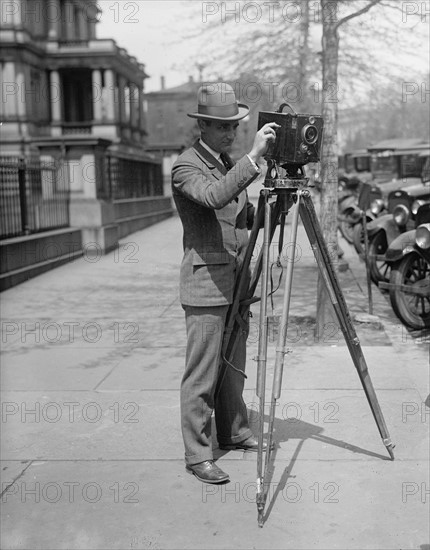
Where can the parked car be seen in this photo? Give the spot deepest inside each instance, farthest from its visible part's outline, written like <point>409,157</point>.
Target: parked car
<point>409,285</point>
<point>354,168</point>
<point>399,167</point>
<point>351,207</point>
<point>403,206</point>
<point>397,162</point>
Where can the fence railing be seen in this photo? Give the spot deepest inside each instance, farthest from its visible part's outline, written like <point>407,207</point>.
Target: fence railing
<point>33,197</point>
<point>127,179</point>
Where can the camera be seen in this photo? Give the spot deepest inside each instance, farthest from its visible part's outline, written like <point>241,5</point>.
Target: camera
<point>298,140</point>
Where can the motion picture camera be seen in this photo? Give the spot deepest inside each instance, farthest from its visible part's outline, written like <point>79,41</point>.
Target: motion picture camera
<point>298,142</point>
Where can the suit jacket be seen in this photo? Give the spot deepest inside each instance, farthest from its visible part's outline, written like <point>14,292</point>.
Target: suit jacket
<point>215,213</point>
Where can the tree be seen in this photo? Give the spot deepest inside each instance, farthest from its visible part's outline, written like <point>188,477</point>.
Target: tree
<point>278,40</point>
<point>329,183</point>
<point>278,44</point>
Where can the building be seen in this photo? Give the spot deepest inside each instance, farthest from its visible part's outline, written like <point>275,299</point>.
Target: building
<point>75,103</point>
<point>170,131</point>
<point>170,128</point>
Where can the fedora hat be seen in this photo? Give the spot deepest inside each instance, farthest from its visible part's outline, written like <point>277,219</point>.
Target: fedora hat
<point>218,102</point>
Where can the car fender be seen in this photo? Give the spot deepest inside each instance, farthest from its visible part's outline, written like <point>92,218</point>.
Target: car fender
<point>351,214</point>
<point>378,223</point>
<point>386,224</point>
<point>402,245</point>
<point>347,202</point>
<point>370,216</point>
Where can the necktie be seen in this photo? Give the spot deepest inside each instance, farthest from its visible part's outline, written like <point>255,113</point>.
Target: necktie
<point>226,161</point>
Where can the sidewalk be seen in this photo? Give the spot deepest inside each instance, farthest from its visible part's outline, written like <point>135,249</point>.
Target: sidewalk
<point>92,454</point>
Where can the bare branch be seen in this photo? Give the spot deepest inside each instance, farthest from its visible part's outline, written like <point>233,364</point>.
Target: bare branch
<point>357,13</point>
<point>391,6</point>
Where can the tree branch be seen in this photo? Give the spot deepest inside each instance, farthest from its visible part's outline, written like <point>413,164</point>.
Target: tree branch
<point>357,13</point>
<point>392,6</point>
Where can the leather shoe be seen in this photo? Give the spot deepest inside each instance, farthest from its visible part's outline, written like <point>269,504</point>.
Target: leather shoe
<point>207,472</point>
<point>250,444</point>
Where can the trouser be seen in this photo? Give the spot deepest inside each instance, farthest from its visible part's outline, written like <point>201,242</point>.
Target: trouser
<point>205,329</point>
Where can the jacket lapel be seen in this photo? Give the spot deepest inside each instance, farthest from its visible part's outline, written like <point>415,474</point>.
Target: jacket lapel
<point>211,161</point>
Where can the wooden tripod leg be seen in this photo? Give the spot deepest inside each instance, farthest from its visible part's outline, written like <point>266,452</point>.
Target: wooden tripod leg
<point>281,349</point>
<point>319,247</point>
<point>262,358</point>
<point>245,288</point>
<point>280,211</point>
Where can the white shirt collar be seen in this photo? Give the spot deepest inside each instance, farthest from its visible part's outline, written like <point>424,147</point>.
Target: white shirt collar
<point>211,151</point>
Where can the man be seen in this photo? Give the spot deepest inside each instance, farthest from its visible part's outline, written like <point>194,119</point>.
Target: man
<point>211,199</point>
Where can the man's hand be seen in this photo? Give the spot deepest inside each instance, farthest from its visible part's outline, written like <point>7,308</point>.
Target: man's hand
<point>265,134</point>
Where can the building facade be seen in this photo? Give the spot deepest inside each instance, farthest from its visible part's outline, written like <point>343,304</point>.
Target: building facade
<point>60,80</point>
<point>76,101</point>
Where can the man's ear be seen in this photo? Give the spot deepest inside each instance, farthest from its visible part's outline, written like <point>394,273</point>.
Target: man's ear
<point>202,125</point>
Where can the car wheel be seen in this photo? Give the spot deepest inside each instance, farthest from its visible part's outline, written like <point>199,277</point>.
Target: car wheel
<point>358,237</point>
<point>379,269</point>
<point>412,309</point>
<point>346,229</point>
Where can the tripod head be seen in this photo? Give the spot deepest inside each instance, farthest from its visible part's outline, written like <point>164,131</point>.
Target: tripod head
<point>286,176</point>
<point>298,142</point>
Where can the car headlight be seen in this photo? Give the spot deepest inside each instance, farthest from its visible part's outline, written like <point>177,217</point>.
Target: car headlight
<point>422,236</point>
<point>416,204</point>
<point>401,214</point>
<point>376,206</point>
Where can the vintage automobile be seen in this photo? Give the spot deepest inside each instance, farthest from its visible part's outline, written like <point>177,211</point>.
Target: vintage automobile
<point>394,169</point>
<point>382,231</point>
<point>350,209</point>
<point>354,167</point>
<point>397,163</point>
<point>409,285</point>
<point>354,172</point>
<point>403,206</point>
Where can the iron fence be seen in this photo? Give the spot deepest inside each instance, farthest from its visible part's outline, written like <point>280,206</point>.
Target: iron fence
<point>34,196</point>
<point>127,179</point>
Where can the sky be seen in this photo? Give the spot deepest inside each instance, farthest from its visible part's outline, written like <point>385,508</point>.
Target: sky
<point>150,30</point>
<point>153,30</point>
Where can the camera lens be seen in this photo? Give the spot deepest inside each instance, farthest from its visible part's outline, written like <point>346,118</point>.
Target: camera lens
<point>309,134</point>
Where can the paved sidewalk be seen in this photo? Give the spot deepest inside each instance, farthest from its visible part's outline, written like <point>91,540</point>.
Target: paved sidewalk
<point>92,454</point>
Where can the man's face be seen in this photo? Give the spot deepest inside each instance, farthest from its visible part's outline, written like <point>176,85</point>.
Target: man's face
<point>219,135</point>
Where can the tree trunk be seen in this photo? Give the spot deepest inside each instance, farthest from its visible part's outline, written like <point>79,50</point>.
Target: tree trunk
<point>304,58</point>
<point>326,330</point>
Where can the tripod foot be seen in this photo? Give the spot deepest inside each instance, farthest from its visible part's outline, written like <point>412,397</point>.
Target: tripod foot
<point>260,519</point>
<point>260,499</point>
<point>390,446</point>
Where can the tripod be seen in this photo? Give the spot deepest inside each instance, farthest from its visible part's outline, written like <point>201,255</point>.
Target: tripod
<point>290,192</point>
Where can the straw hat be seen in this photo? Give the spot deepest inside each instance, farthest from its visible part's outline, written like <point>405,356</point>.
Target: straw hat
<point>218,102</point>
